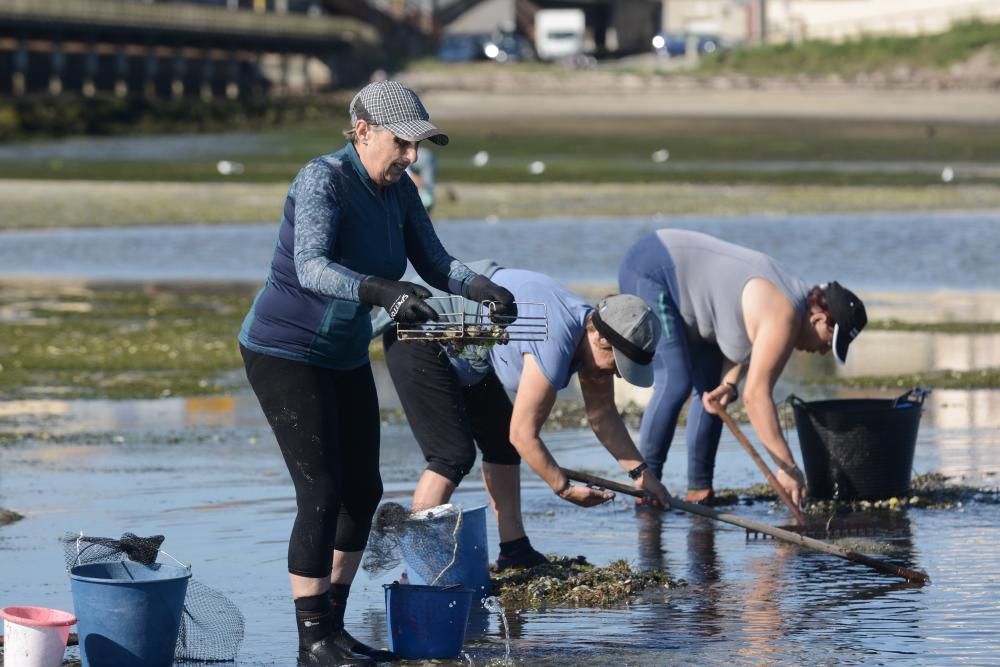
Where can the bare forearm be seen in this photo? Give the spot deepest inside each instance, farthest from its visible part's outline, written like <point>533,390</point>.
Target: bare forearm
<point>611,431</point>
<point>764,418</point>
<point>534,452</point>
<point>731,373</point>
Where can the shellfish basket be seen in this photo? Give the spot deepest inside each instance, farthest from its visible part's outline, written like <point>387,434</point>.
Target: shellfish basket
<point>464,322</point>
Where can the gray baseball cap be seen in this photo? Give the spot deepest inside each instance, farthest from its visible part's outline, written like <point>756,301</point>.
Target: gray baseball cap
<point>633,330</point>
<point>396,108</point>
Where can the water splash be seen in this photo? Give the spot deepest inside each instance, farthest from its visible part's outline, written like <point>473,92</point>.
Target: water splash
<point>492,605</point>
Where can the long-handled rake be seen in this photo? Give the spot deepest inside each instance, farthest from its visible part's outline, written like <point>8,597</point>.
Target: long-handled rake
<point>727,419</point>
<point>915,576</point>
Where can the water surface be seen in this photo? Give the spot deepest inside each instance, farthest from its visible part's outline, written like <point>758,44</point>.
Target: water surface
<point>208,476</point>
<point>897,252</point>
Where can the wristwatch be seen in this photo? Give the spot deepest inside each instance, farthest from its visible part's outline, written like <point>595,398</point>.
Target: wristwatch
<point>636,472</point>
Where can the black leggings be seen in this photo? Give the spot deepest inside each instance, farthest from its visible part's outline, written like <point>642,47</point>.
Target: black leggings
<point>326,423</point>
<point>447,419</point>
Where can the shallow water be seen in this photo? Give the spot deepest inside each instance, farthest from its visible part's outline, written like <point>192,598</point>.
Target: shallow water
<point>878,251</point>
<point>206,474</point>
<point>153,148</point>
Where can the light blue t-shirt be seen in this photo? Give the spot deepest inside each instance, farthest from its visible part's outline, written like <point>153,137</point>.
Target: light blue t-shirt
<point>567,319</point>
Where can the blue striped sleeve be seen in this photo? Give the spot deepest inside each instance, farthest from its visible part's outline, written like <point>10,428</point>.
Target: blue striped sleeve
<point>424,249</point>
<point>317,217</point>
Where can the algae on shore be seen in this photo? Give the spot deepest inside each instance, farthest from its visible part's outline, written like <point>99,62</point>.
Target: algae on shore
<point>67,340</point>
<point>574,581</point>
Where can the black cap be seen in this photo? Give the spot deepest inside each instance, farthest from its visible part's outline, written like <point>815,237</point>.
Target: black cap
<point>848,314</point>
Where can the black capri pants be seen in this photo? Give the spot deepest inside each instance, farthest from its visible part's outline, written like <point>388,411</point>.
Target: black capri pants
<point>448,420</point>
<point>326,423</point>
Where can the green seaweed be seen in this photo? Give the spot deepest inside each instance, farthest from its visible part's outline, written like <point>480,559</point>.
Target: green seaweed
<point>565,581</point>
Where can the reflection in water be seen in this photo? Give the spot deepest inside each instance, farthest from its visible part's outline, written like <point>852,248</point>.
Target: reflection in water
<point>704,576</point>
<point>762,620</point>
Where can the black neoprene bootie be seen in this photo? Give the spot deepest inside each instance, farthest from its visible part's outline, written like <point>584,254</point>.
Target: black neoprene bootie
<point>519,553</point>
<point>318,636</point>
<point>338,605</point>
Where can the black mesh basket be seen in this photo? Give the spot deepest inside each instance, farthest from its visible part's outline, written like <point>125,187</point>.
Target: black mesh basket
<point>859,449</point>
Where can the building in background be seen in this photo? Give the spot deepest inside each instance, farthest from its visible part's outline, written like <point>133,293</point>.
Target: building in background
<point>752,21</point>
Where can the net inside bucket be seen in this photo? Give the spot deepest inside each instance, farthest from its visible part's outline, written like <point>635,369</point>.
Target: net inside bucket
<point>426,539</point>
<point>212,626</point>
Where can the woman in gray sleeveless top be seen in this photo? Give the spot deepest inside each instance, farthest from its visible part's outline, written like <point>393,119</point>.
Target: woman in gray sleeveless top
<point>728,313</point>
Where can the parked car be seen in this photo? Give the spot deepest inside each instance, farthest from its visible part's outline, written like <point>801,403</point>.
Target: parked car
<point>508,47</point>
<point>463,48</point>
<point>675,44</point>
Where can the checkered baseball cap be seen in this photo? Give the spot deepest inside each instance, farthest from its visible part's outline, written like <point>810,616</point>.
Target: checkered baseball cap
<point>396,108</point>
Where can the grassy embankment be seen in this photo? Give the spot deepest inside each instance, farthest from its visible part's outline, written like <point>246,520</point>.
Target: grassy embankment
<point>861,56</point>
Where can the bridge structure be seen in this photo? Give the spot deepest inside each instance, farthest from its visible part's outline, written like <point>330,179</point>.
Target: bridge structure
<point>176,50</point>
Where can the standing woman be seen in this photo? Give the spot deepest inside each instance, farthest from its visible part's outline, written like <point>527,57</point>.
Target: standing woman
<point>351,221</point>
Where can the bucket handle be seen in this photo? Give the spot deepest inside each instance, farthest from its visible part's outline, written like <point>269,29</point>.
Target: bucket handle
<point>915,395</point>
<point>795,401</point>
<point>79,554</point>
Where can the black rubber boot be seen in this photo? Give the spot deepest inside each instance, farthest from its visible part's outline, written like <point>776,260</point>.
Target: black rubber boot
<point>318,635</point>
<point>338,604</point>
<point>345,641</point>
<point>328,653</point>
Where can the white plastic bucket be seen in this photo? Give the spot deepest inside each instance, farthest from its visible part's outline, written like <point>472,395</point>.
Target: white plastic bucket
<point>35,636</point>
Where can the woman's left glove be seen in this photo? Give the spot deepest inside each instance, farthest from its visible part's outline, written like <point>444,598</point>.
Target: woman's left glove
<point>482,289</point>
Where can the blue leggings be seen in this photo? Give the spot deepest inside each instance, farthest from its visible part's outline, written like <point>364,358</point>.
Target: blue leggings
<point>681,367</point>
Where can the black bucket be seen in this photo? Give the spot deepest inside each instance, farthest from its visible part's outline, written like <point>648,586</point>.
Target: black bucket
<point>859,449</point>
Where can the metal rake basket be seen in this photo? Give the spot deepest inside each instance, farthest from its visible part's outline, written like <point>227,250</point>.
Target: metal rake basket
<point>463,322</point>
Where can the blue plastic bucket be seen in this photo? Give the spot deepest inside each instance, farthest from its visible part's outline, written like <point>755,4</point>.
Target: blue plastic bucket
<point>128,614</point>
<point>471,568</point>
<point>426,621</point>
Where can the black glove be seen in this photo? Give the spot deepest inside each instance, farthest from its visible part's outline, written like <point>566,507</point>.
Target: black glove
<point>482,289</point>
<point>403,301</point>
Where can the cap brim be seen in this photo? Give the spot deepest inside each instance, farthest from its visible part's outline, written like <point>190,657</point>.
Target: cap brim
<point>418,130</point>
<point>840,344</point>
<point>641,375</point>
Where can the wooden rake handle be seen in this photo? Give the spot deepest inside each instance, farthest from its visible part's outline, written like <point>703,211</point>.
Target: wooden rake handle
<point>800,518</point>
<point>915,576</point>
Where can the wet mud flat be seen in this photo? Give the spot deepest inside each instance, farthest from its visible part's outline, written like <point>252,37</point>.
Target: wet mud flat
<point>220,494</point>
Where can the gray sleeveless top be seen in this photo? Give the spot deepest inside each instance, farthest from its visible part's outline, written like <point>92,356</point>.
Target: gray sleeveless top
<point>711,275</point>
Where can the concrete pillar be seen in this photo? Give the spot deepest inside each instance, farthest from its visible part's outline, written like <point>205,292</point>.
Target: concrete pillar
<point>286,66</point>
<point>177,75</point>
<point>306,81</point>
<point>152,70</point>
<point>207,72</point>
<point>280,6</point>
<point>233,77</point>
<point>57,63</point>
<point>89,87</point>
<point>664,16</point>
<point>19,75</point>
<point>121,72</point>
<point>232,5</point>
<point>257,81</point>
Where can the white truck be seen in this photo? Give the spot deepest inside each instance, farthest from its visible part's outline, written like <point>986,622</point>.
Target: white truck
<point>559,33</point>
